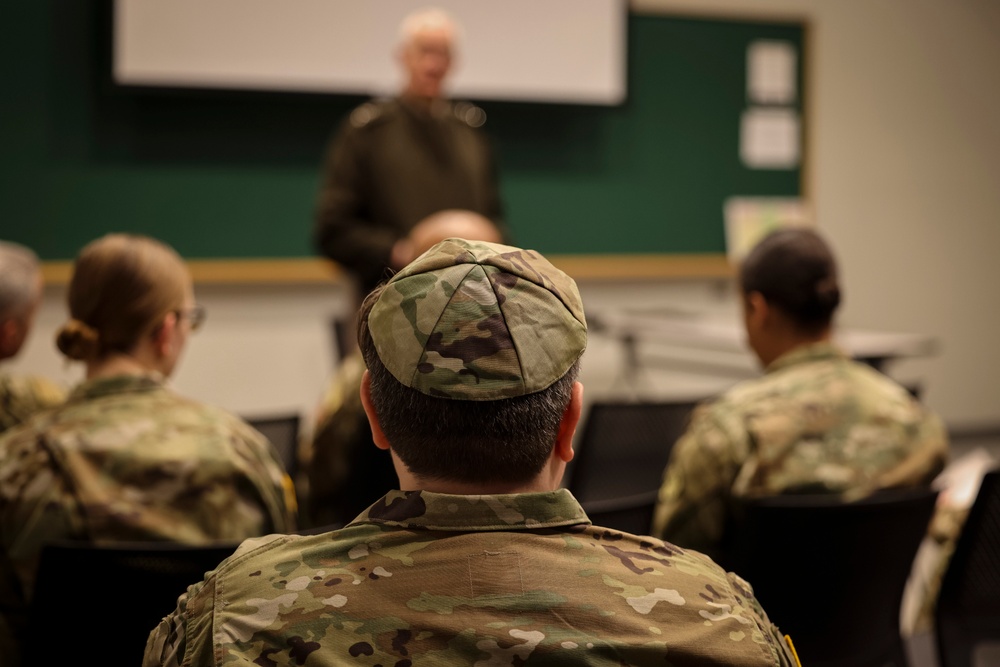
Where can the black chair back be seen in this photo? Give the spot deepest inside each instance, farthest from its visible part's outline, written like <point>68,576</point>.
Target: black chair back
<point>829,573</point>
<point>621,453</point>
<point>98,603</point>
<point>967,612</point>
<point>283,432</point>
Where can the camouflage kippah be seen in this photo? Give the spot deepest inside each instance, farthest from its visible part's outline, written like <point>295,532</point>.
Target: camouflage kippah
<point>478,321</point>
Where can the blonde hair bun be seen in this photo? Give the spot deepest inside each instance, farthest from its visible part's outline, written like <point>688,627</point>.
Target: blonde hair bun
<point>78,340</point>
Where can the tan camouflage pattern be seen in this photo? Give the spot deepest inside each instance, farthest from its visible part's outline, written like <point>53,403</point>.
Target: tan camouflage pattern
<point>431,579</point>
<point>479,321</point>
<point>23,396</point>
<point>125,458</point>
<point>816,422</point>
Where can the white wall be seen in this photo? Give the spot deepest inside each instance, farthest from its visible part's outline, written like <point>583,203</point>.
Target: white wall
<point>905,147</point>
<point>262,351</point>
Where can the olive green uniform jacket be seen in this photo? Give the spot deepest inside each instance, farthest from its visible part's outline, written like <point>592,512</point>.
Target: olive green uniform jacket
<point>125,458</point>
<point>431,579</point>
<point>817,422</point>
<point>388,167</point>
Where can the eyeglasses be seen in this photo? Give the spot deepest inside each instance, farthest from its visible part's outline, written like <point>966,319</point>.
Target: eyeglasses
<point>195,315</point>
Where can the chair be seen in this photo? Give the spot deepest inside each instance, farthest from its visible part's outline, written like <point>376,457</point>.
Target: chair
<point>283,432</point>
<point>98,603</point>
<point>629,514</point>
<point>829,573</point>
<point>343,330</point>
<point>967,611</point>
<point>621,452</point>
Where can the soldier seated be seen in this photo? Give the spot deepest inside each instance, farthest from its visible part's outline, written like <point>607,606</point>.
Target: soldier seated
<point>817,421</point>
<point>125,457</point>
<point>472,353</point>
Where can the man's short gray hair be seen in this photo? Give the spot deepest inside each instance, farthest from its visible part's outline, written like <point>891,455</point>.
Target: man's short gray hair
<point>19,275</point>
<point>429,17</point>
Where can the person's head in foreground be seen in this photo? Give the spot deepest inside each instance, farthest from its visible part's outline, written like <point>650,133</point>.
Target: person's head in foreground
<point>473,351</point>
<point>20,294</point>
<point>427,40</point>
<point>790,292</point>
<point>131,305</point>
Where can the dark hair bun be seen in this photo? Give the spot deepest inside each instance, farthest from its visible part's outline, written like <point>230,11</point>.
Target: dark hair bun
<point>78,340</point>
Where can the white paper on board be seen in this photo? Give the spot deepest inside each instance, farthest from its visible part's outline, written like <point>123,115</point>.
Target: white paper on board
<point>749,219</point>
<point>769,138</point>
<point>771,72</point>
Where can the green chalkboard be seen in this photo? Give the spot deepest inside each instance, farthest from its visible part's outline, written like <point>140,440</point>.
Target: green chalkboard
<point>233,175</point>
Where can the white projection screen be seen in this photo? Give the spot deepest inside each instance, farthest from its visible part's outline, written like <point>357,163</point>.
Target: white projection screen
<point>571,51</point>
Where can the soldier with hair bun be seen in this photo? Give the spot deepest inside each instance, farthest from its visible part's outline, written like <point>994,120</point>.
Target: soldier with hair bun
<point>816,422</point>
<point>126,457</point>
<point>480,558</point>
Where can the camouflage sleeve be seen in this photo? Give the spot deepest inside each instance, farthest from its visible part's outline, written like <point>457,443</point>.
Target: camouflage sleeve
<point>22,397</point>
<point>691,506</point>
<point>927,457</point>
<point>782,646</point>
<point>184,637</point>
<point>30,515</point>
<point>266,469</point>
<point>47,393</point>
<point>342,231</point>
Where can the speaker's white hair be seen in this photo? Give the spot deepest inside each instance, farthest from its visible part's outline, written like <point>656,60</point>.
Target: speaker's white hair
<point>428,17</point>
<point>19,274</point>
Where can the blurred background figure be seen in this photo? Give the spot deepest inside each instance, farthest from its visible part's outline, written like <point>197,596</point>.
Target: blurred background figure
<point>816,422</point>
<point>20,295</point>
<point>125,457</point>
<point>394,162</point>
<point>346,472</point>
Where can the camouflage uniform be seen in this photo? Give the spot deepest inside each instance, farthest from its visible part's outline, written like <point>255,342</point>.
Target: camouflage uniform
<point>390,166</point>
<point>441,579</point>
<point>816,422</point>
<point>424,578</point>
<point>125,458</point>
<point>21,397</point>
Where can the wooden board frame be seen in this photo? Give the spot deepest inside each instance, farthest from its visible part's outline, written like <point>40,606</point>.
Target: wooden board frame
<point>313,271</point>
<point>596,267</point>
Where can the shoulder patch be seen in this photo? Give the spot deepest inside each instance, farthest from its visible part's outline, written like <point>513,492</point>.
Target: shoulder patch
<point>366,113</point>
<point>469,113</point>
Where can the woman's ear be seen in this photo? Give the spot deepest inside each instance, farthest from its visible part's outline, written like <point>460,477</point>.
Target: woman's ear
<point>757,309</point>
<point>164,333</point>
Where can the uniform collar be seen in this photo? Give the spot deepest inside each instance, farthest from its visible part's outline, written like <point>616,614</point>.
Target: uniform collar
<point>438,511</point>
<point>436,109</point>
<point>821,351</point>
<point>117,384</point>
